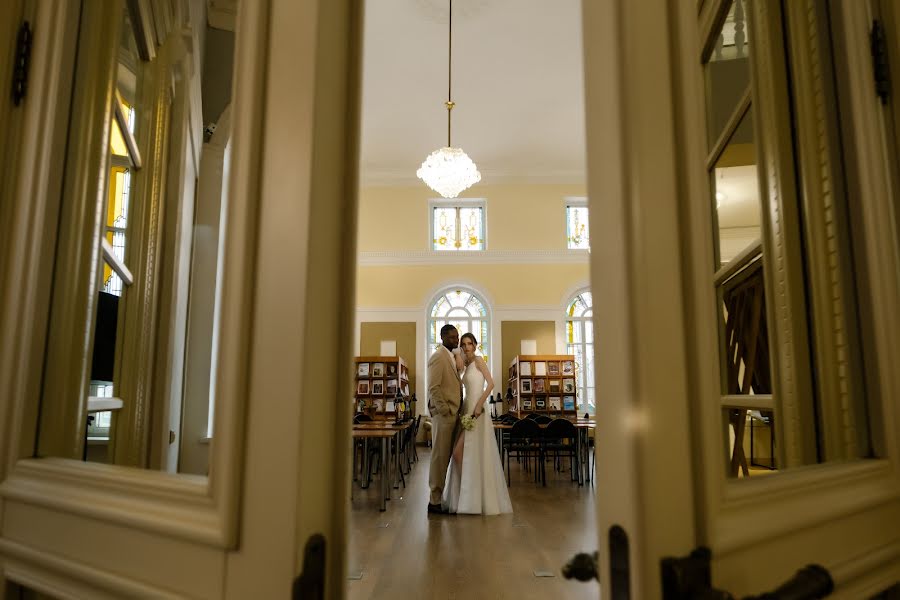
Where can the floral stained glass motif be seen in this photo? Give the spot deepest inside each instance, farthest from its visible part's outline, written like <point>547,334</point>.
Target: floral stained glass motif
<point>458,228</point>
<point>577,232</point>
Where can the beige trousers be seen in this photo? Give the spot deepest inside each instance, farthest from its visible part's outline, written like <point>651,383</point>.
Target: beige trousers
<point>444,431</point>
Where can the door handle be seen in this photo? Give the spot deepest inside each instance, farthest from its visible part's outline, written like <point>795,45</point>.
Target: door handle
<point>690,577</point>
<point>310,583</point>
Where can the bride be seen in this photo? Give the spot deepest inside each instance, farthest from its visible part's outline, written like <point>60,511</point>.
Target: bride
<point>475,481</point>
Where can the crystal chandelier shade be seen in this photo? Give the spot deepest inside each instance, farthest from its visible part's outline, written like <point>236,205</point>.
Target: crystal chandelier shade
<point>448,170</point>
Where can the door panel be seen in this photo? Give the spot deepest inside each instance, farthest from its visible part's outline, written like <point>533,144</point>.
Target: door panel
<point>239,532</point>
<point>843,513</point>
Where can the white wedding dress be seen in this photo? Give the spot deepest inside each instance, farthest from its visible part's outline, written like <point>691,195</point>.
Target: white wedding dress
<point>479,486</point>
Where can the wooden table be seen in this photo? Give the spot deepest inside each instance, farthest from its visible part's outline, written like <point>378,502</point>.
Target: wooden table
<point>384,431</point>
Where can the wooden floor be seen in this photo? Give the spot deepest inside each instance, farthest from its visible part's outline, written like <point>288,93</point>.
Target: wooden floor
<point>407,553</point>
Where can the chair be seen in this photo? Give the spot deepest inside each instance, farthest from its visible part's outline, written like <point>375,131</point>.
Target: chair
<point>561,439</point>
<point>532,416</point>
<point>361,418</point>
<point>525,442</point>
<point>543,419</point>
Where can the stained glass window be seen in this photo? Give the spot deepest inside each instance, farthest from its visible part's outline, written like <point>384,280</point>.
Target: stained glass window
<point>577,232</point>
<point>464,310</point>
<point>580,342</point>
<point>457,227</point>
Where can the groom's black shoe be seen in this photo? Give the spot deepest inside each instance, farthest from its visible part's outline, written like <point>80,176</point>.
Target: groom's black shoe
<point>435,508</point>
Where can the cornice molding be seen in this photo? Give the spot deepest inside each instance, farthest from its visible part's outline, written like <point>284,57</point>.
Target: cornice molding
<point>492,257</point>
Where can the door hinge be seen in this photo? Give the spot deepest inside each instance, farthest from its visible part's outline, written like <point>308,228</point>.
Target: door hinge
<point>21,63</point>
<point>878,47</point>
<point>310,584</point>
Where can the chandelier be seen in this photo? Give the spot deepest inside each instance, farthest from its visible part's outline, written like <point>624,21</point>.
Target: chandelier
<point>448,170</point>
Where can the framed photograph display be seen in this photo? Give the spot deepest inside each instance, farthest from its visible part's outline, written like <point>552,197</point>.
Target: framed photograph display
<point>392,387</point>
<point>540,404</point>
<point>378,369</point>
<point>540,369</point>
<point>526,404</point>
<point>555,403</point>
<point>568,402</point>
<point>362,370</point>
<point>392,370</point>
<point>568,386</point>
<point>552,368</point>
<point>554,386</point>
<point>538,386</point>
<point>526,386</point>
<point>362,388</point>
<point>378,387</point>
<point>568,367</point>
<point>379,404</point>
<point>389,407</point>
<point>525,369</point>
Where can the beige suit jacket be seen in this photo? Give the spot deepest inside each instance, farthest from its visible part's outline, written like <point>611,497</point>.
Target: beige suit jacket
<point>444,387</point>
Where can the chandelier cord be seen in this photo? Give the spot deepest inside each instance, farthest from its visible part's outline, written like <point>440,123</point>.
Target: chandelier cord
<point>449,69</point>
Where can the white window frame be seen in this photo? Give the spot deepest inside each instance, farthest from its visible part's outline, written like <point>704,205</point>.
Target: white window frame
<point>586,347</point>
<point>457,203</point>
<point>579,201</point>
<point>488,318</point>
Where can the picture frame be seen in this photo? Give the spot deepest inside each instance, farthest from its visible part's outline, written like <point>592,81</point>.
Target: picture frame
<point>379,404</point>
<point>378,387</point>
<point>552,368</point>
<point>526,386</point>
<point>555,403</point>
<point>568,367</point>
<point>390,407</point>
<point>554,386</point>
<point>362,369</point>
<point>526,404</point>
<point>538,386</point>
<point>568,402</point>
<point>392,387</point>
<point>362,388</point>
<point>540,369</point>
<point>540,404</point>
<point>525,369</point>
<point>378,369</point>
<point>568,386</point>
<point>391,370</point>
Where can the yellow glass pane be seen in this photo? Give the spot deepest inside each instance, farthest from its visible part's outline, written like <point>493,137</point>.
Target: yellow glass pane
<point>116,206</point>
<point>116,141</point>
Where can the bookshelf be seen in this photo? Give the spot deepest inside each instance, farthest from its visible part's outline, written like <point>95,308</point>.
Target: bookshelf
<point>543,384</point>
<point>377,379</point>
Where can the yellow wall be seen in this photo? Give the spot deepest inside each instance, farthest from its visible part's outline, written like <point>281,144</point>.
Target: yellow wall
<point>502,284</point>
<point>513,332</point>
<point>518,216</point>
<point>371,335</point>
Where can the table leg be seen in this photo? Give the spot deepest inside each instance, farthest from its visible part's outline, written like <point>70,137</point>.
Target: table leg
<point>364,477</point>
<point>384,473</point>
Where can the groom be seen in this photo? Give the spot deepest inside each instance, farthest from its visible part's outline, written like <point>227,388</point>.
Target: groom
<point>444,399</point>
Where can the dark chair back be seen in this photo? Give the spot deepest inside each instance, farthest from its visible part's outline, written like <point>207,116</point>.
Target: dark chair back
<point>532,416</point>
<point>524,429</point>
<point>543,419</point>
<point>560,429</point>
<point>508,419</point>
<point>362,418</point>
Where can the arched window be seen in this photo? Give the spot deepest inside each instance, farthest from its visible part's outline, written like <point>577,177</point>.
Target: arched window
<point>580,342</point>
<point>464,310</point>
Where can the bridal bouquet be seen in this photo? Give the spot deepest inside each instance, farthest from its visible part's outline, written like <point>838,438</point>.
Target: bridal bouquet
<point>467,422</point>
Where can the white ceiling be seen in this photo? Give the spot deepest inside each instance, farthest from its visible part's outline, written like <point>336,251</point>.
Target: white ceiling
<point>517,84</point>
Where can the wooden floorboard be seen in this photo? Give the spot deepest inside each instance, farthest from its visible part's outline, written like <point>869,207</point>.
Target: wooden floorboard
<point>407,553</point>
